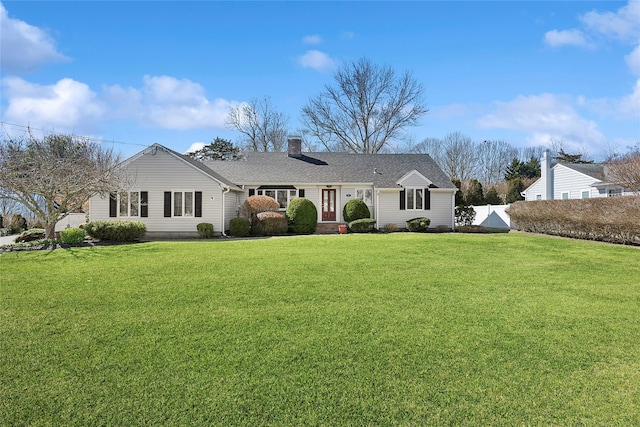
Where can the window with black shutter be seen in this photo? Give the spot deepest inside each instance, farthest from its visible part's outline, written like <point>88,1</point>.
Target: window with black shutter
<point>167,204</point>
<point>144,204</point>
<point>198,208</point>
<point>427,199</point>
<point>403,201</point>
<point>301,192</point>
<point>113,205</point>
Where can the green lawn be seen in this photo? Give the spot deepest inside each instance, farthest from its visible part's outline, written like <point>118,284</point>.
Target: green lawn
<point>388,329</point>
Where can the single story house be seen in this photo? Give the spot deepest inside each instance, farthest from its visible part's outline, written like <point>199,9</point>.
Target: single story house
<point>171,193</point>
<point>572,181</point>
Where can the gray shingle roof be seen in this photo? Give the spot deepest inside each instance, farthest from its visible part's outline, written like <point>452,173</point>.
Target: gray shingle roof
<point>595,170</point>
<point>382,170</point>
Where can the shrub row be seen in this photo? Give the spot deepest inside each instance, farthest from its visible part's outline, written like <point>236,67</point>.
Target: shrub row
<point>611,219</point>
<point>116,231</point>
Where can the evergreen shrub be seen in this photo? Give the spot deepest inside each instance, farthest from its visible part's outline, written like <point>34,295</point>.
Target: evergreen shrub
<point>269,224</point>
<point>362,225</point>
<point>239,227</point>
<point>355,209</point>
<point>302,216</point>
<point>72,236</point>
<point>464,215</point>
<point>419,225</point>
<point>31,235</point>
<point>116,231</point>
<point>205,230</point>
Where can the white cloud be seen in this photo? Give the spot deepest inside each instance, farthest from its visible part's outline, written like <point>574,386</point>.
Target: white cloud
<point>545,116</point>
<point>557,38</point>
<point>633,60</point>
<point>623,24</point>
<point>67,105</point>
<point>24,47</point>
<point>312,39</point>
<point>169,103</point>
<point>317,60</point>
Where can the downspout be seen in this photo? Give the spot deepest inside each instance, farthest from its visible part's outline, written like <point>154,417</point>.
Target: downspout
<point>376,207</point>
<point>225,191</point>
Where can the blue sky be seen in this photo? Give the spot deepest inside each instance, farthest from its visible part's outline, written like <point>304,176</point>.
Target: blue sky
<point>167,72</point>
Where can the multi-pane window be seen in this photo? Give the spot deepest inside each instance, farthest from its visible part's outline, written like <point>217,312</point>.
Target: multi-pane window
<point>615,192</point>
<point>365,194</point>
<point>283,197</point>
<point>129,203</point>
<point>414,199</point>
<point>586,194</point>
<point>183,203</point>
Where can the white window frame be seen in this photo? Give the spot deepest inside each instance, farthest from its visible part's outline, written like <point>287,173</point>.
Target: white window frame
<point>129,209</point>
<point>290,194</point>
<point>365,194</point>
<point>564,193</point>
<point>184,210</point>
<point>413,191</point>
<point>614,192</point>
<point>585,192</point>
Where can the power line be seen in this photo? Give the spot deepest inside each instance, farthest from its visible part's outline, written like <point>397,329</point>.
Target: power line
<point>88,138</point>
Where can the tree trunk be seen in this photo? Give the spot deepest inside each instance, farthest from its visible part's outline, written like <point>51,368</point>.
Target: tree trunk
<point>50,230</point>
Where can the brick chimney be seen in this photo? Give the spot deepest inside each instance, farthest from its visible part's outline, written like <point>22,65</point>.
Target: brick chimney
<point>295,146</point>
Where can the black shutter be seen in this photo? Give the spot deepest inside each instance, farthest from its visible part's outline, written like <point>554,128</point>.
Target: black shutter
<point>144,204</point>
<point>403,201</point>
<point>427,199</point>
<point>167,204</point>
<point>301,192</point>
<point>199,203</point>
<point>252,192</point>
<point>113,205</point>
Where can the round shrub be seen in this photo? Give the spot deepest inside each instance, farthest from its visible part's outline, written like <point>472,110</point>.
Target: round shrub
<point>116,231</point>
<point>302,216</point>
<point>205,230</point>
<point>355,209</point>
<point>419,225</point>
<point>256,204</point>
<point>363,225</point>
<point>239,227</point>
<point>72,236</point>
<point>31,235</point>
<point>269,224</point>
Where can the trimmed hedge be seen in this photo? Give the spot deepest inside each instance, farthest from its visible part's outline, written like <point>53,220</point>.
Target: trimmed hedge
<point>419,225</point>
<point>205,230</point>
<point>269,224</point>
<point>363,225</point>
<point>116,231</point>
<point>31,235</point>
<point>239,227</point>
<point>302,216</point>
<point>72,236</point>
<point>355,209</point>
<point>256,204</point>
<point>608,219</point>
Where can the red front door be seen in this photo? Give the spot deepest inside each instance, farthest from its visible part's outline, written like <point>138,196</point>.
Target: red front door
<point>328,204</point>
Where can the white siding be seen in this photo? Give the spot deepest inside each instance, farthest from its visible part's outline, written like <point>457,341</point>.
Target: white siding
<point>160,172</point>
<point>536,189</point>
<point>441,212</point>
<point>567,180</point>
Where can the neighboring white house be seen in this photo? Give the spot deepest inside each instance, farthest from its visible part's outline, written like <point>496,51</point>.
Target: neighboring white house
<point>572,181</point>
<point>172,192</point>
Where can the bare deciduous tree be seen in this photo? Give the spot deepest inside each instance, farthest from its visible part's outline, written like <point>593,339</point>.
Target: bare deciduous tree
<point>493,159</point>
<point>625,171</point>
<point>55,175</point>
<point>262,127</point>
<point>368,107</point>
<point>460,157</point>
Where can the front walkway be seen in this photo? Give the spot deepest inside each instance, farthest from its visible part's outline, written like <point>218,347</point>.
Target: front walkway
<point>7,240</point>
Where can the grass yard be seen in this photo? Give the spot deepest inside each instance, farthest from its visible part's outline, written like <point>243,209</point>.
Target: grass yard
<point>390,329</point>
